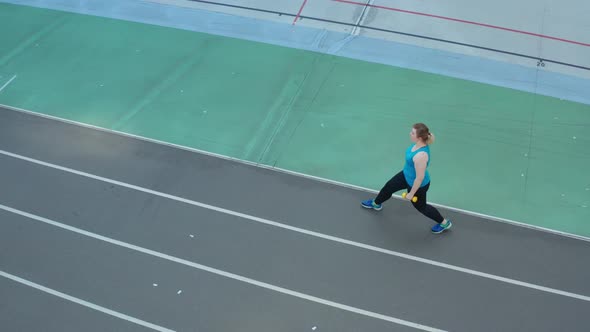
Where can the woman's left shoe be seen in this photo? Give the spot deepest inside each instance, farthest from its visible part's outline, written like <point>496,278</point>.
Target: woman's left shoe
<point>439,228</point>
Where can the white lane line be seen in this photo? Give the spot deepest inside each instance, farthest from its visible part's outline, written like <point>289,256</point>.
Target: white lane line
<point>84,303</point>
<point>302,230</point>
<point>222,273</point>
<point>6,84</point>
<point>286,171</point>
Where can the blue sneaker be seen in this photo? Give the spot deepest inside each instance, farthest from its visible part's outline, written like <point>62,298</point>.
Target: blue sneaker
<point>438,228</point>
<point>369,204</point>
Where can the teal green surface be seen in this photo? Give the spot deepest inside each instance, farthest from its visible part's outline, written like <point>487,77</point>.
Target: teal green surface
<point>499,151</point>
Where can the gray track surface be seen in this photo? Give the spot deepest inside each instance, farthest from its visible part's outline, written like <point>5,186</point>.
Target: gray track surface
<point>122,279</point>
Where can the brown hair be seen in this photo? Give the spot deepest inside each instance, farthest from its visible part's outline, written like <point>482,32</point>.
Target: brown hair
<point>423,133</point>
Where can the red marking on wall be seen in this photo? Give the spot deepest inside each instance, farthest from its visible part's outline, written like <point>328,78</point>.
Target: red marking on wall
<point>466,22</point>
<point>299,13</point>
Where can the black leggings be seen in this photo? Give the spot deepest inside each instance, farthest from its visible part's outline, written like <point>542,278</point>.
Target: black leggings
<point>397,183</point>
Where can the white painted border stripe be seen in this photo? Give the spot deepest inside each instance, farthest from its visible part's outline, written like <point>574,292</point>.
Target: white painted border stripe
<point>84,303</point>
<point>281,170</point>
<point>222,273</point>
<point>355,30</point>
<point>6,84</point>
<point>301,230</point>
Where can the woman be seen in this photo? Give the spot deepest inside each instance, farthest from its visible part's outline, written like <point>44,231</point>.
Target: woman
<point>414,178</point>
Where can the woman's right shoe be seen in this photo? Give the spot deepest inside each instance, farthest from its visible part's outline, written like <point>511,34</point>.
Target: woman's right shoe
<point>370,204</point>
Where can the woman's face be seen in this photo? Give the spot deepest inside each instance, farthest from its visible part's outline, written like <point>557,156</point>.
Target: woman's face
<point>413,136</point>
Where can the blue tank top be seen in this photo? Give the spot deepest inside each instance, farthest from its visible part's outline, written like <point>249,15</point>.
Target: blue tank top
<point>410,170</point>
